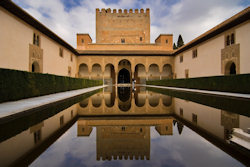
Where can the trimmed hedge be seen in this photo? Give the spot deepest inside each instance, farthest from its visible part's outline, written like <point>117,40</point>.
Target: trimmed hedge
<point>229,83</point>
<point>239,106</point>
<point>15,85</point>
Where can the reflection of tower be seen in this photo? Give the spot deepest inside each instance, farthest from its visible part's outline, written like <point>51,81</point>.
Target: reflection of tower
<point>179,127</point>
<point>128,142</point>
<point>229,121</point>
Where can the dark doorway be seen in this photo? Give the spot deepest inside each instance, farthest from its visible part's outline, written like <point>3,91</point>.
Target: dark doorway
<point>124,76</point>
<point>232,69</point>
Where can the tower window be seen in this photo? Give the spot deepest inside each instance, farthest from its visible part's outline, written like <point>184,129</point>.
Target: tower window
<point>166,41</point>
<point>122,40</point>
<point>82,40</point>
<point>140,38</point>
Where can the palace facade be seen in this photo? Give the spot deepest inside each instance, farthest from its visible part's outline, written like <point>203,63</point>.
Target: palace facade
<point>122,51</point>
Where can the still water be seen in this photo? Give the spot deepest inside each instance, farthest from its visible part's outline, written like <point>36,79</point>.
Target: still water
<point>121,127</point>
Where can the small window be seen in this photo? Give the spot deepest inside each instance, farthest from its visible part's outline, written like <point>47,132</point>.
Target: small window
<point>166,41</point>
<point>69,71</point>
<point>71,58</point>
<point>187,73</point>
<point>72,114</point>
<point>181,58</point>
<point>61,120</point>
<point>61,52</point>
<point>122,40</point>
<point>181,112</point>
<point>37,136</point>
<point>232,38</point>
<point>194,118</point>
<point>194,53</point>
<point>140,38</point>
<point>82,40</point>
<point>34,39</point>
<point>228,40</point>
<point>37,40</point>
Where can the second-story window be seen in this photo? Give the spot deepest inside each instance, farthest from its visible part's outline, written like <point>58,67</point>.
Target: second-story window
<point>181,58</point>
<point>61,52</point>
<point>194,53</point>
<point>228,40</point>
<point>232,38</point>
<point>36,39</point>
<point>122,40</point>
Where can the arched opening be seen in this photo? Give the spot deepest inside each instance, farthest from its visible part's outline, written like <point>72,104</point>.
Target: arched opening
<point>96,100</point>
<point>96,72</point>
<point>84,103</point>
<point>153,99</point>
<point>167,100</point>
<point>83,71</point>
<point>109,74</point>
<point>124,76</point>
<point>230,68</point>
<point>167,72</point>
<point>109,96</point>
<point>35,67</point>
<point>124,68</point>
<point>153,72</point>
<point>140,74</point>
<point>124,94</point>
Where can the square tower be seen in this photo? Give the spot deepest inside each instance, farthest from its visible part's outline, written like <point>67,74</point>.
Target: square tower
<point>123,26</point>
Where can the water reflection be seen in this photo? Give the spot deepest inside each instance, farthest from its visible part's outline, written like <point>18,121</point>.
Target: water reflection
<point>124,101</point>
<point>123,138</point>
<point>157,128</point>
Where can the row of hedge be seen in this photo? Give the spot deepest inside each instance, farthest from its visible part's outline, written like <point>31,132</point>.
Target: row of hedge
<point>239,106</point>
<point>15,85</point>
<point>229,83</point>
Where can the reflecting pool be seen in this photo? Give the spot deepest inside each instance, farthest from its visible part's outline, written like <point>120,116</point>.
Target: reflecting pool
<point>118,126</point>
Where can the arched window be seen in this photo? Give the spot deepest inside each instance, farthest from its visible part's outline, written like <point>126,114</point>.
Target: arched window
<point>232,38</point>
<point>34,39</point>
<point>37,40</point>
<point>228,40</point>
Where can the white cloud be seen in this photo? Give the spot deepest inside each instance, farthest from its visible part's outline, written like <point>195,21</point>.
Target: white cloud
<point>187,17</point>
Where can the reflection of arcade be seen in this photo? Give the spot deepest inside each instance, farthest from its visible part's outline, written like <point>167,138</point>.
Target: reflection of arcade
<point>124,102</point>
<point>124,138</point>
<point>124,94</point>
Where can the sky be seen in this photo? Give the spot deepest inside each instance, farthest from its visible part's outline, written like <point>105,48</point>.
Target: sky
<point>190,18</point>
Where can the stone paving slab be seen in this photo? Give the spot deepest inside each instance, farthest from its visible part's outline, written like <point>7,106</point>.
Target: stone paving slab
<point>14,107</point>
<point>226,94</point>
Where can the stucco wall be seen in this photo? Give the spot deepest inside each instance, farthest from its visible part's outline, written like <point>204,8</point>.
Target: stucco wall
<point>242,36</point>
<point>207,62</point>
<point>14,39</point>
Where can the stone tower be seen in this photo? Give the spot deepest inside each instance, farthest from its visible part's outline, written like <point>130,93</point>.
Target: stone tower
<point>123,26</point>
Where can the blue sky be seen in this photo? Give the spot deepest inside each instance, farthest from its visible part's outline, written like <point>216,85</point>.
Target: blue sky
<point>190,18</point>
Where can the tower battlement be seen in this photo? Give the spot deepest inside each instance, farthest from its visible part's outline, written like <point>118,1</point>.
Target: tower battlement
<point>122,26</point>
<point>122,11</point>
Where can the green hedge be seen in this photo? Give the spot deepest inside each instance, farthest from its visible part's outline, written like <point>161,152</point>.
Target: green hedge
<point>15,85</point>
<point>230,83</point>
